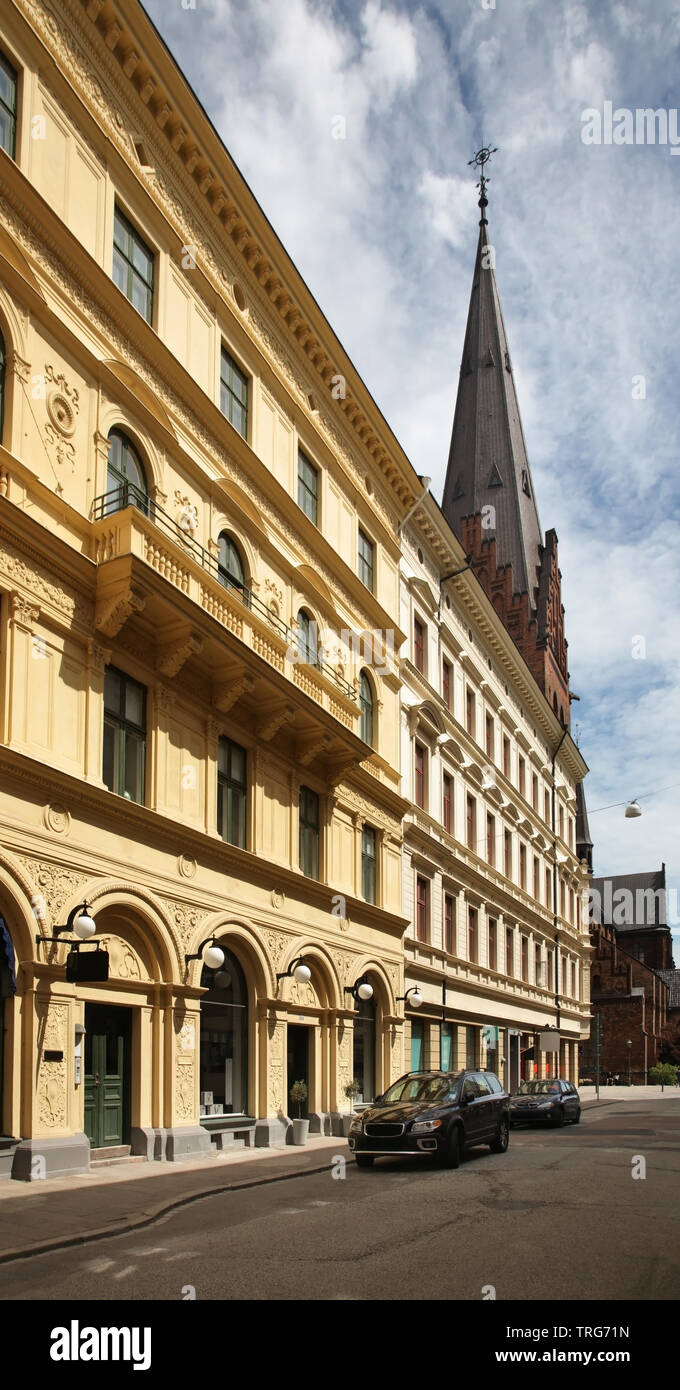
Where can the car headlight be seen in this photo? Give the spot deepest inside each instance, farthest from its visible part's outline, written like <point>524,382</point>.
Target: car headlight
<point>356,1126</point>
<point>545,1105</point>
<point>425,1126</point>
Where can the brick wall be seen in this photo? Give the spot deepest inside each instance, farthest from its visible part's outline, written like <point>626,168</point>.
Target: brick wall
<point>632,1002</point>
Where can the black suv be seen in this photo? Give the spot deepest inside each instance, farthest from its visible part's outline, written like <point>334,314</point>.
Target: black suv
<point>433,1112</point>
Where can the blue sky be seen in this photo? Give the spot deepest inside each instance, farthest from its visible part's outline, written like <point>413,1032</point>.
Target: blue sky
<point>383,224</point>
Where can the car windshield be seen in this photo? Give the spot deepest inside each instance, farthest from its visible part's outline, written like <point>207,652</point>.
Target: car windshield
<point>427,1089</point>
<point>538,1088</point>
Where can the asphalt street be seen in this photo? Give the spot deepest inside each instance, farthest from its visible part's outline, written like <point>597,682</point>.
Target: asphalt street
<point>560,1216</point>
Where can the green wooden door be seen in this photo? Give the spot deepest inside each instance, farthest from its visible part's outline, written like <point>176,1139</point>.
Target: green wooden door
<point>107,1064</point>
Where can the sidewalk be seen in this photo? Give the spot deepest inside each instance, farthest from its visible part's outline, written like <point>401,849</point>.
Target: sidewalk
<point>36,1217</point>
<point>616,1093</point>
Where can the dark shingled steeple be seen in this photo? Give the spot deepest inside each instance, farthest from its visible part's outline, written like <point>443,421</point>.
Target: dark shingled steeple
<point>488,464</point>
<point>489,494</point>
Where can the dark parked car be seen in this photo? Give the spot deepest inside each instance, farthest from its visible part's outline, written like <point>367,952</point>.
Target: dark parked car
<point>553,1102</point>
<point>433,1112</point>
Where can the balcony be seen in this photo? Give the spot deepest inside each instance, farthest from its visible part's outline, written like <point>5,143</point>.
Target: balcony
<point>127,521</point>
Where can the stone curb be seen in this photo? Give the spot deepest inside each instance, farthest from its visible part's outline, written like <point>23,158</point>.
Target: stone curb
<point>120,1228</point>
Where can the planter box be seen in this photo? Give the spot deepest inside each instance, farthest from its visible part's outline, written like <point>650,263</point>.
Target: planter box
<point>300,1131</point>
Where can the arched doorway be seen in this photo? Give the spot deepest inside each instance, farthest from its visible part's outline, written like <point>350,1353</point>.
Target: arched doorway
<point>224,1039</point>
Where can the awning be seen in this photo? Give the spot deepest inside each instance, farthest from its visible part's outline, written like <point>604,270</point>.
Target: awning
<point>7,959</point>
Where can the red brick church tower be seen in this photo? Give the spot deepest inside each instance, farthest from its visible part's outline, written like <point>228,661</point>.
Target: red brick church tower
<point>489,496</point>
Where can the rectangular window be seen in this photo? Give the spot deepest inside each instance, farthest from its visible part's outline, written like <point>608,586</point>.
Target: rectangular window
<point>538,966</point>
<point>573,980</point>
<point>548,889</point>
<point>546,799</point>
<point>506,756</point>
<point>472,935</point>
<point>234,393</point>
<point>366,560</point>
<point>422,908</point>
<point>309,832</point>
<point>563,900</point>
<point>470,821</point>
<point>368,863</point>
<point>521,774</point>
<point>418,645</point>
<point>561,822</point>
<point>470,712</point>
<point>308,487</point>
<point>449,924</point>
<point>446,683</point>
<point>133,265</point>
<point>419,775</point>
<point>8,107</point>
<point>549,961</point>
<point>232,792</point>
<point>490,839</point>
<point>534,792</point>
<point>446,801</point>
<point>507,853</point>
<point>523,866</point>
<point>493,946</point>
<point>564,975</point>
<point>537,879</point>
<point>509,951</point>
<point>489,737</point>
<point>571,905</point>
<point>124,735</point>
<point>525,957</point>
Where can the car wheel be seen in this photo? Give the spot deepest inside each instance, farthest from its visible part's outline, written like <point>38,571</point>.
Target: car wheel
<point>557,1119</point>
<point>450,1154</point>
<point>364,1160</point>
<point>500,1143</point>
<point>577,1117</point>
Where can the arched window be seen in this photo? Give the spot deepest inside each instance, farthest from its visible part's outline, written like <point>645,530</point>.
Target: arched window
<point>366,707</point>
<point>224,1037</point>
<point>125,480</point>
<point>230,565</point>
<point>2,384</point>
<point>307,638</point>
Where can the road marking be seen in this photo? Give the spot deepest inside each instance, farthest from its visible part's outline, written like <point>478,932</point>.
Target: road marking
<point>123,1273</point>
<point>99,1266</point>
<point>319,1204</point>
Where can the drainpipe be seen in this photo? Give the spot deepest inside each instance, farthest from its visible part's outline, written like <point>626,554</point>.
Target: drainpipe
<point>555,927</point>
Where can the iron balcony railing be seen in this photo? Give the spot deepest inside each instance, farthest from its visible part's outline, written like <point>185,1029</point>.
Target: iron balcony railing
<point>128,495</point>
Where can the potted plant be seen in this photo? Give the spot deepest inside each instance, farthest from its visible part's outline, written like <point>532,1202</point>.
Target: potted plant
<point>298,1094</point>
<point>352,1090</point>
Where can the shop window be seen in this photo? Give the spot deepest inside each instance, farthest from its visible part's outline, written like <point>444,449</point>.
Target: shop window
<point>224,1039</point>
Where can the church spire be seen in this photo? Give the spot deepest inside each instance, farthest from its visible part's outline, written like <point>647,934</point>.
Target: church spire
<point>488,469</point>
<point>489,497</point>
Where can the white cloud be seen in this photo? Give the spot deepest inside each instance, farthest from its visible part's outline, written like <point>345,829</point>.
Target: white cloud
<point>383,225</point>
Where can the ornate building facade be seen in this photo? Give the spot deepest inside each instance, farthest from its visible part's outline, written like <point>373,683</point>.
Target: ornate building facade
<point>498,946</point>
<point>199,511</point>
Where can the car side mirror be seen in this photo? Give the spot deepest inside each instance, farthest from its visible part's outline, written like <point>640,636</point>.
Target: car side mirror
<point>468,1097</point>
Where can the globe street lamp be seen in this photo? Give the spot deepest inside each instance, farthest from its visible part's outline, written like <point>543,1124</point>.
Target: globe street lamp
<point>299,971</point>
<point>415,999</point>
<point>209,952</point>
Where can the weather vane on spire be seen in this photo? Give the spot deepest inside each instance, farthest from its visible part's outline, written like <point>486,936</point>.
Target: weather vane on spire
<point>480,160</point>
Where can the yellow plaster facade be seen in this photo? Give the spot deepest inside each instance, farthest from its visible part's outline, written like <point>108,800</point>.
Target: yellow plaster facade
<point>125,573</point>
